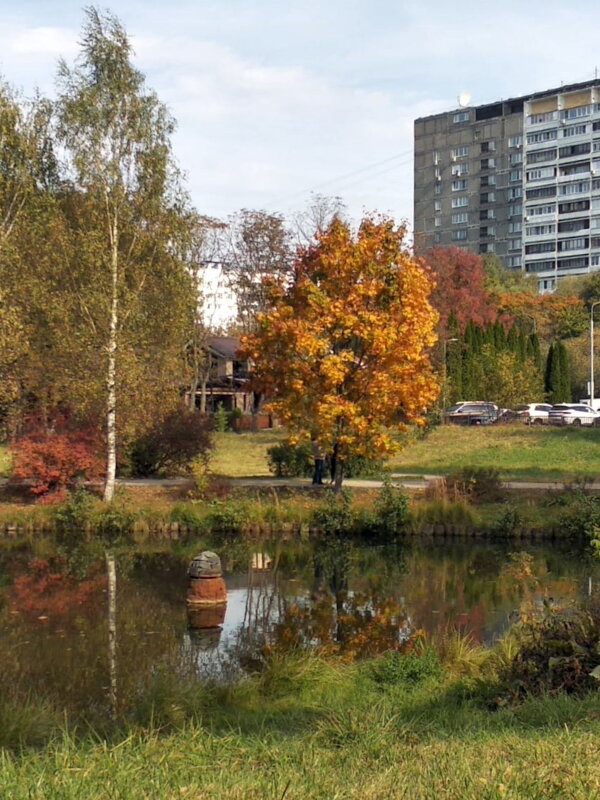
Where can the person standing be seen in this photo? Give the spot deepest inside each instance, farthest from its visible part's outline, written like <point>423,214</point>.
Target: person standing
<point>319,457</point>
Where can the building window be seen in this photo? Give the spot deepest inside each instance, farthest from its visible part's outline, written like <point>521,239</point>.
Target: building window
<point>541,136</point>
<point>573,225</point>
<point>460,169</point>
<point>541,173</point>
<point>488,230</point>
<point>486,247</point>
<point>539,211</point>
<point>514,244</point>
<point>488,147</point>
<point>459,152</point>
<point>580,243</point>
<point>540,266</point>
<point>460,219</point>
<point>460,235</point>
<point>574,169</point>
<point>487,180</point>
<point>576,113</point>
<point>437,205</point>
<point>540,230</point>
<point>541,155</point>
<point>515,211</point>
<point>513,261</point>
<point>540,247</point>
<point>573,206</point>
<point>575,150</point>
<point>459,186</point>
<point>574,188</point>
<point>460,202</point>
<point>437,237</point>
<point>516,158</point>
<point>515,141</point>
<point>487,197</point>
<point>461,116</point>
<point>514,227</point>
<point>488,163</point>
<point>437,222</point>
<point>515,193</point>
<point>574,130</point>
<point>515,175</point>
<point>543,191</point>
<point>536,119</point>
<point>487,213</point>
<point>436,157</point>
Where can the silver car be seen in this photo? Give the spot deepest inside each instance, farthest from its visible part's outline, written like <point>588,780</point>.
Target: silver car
<point>573,414</point>
<point>533,413</point>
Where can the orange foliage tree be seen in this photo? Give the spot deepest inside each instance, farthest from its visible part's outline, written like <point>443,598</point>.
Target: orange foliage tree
<point>342,351</point>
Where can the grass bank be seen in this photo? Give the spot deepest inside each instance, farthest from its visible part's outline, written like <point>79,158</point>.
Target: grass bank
<point>310,729</point>
<point>517,451</point>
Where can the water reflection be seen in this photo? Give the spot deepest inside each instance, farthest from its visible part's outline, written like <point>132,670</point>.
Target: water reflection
<point>335,595</point>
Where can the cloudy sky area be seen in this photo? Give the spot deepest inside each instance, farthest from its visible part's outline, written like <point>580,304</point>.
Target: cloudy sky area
<point>277,99</point>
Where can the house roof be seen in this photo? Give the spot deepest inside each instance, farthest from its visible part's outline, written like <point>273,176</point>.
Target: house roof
<point>225,346</point>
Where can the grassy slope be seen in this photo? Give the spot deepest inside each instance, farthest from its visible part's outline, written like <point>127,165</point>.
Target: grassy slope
<point>244,455</point>
<point>331,733</point>
<point>517,451</point>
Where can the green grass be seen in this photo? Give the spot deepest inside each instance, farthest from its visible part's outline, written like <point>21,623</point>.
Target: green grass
<point>244,455</point>
<point>315,730</point>
<point>518,451</point>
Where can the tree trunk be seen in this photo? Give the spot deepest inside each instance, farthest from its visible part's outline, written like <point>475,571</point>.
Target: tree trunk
<point>111,377</point>
<point>203,394</point>
<point>339,476</point>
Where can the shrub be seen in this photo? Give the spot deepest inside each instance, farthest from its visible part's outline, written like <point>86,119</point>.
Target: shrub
<point>554,651</point>
<point>508,522</point>
<point>52,462</point>
<point>391,509</point>
<point>225,516</point>
<point>334,514</point>
<point>221,418</point>
<point>480,484</point>
<point>288,460</point>
<point>172,443</point>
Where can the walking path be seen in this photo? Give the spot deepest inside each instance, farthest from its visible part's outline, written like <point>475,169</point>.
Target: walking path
<point>410,481</point>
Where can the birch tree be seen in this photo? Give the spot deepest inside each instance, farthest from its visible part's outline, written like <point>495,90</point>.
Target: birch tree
<point>116,137</point>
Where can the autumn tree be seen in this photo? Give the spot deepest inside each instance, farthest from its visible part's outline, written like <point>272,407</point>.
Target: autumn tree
<point>132,289</point>
<point>460,287</point>
<point>342,351</point>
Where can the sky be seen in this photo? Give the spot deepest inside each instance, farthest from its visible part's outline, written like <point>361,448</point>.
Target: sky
<point>276,101</point>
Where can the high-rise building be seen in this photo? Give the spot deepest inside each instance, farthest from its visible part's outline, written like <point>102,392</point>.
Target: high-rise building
<point>519,178</point>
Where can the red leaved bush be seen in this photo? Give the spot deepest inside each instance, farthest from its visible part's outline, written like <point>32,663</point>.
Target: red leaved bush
<point>51,462</point>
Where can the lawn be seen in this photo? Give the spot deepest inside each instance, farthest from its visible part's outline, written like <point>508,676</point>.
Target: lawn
<point>319,735</point>
<point>244,455</point>
<point>518,451</point>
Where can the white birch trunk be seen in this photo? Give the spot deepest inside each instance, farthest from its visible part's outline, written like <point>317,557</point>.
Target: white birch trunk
<point>111,376</point>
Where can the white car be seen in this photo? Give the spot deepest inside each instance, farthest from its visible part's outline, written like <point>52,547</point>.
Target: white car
<point>534,413</point>
<point>573,414</point>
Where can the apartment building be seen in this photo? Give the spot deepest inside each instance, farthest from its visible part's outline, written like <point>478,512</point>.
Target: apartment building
<point>519,178</point>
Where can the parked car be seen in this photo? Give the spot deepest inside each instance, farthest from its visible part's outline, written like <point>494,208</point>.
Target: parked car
<point>534,413</point>
<point>472,413</point>
<point>573,414</point>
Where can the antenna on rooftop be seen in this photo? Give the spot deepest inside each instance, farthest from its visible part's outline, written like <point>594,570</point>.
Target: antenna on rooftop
<point>464,98</point>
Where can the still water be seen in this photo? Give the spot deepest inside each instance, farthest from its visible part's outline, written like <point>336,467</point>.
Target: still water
<point>54,627</point>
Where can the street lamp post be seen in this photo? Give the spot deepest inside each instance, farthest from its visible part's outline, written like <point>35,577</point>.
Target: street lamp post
<point>445,372</point>
<point>592,392</point>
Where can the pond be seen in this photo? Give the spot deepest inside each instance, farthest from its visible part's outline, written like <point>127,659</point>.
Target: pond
<point>335,595</point>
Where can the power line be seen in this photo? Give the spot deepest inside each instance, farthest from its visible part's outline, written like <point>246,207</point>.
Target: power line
<point>341,178</point>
